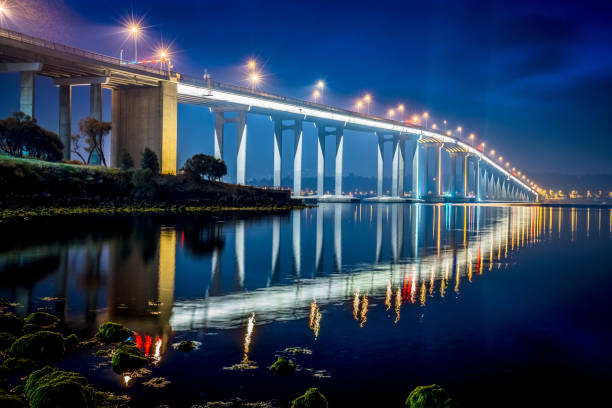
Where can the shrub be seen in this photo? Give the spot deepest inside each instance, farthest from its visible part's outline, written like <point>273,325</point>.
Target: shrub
<point>71,342</point>
<point>111,332</point>
<point>125,161</point>
<point>430,396</point>
<point>44,347</point>
<point>145,187</point>
<point>20,134</point>
<point>202,165</point>
<point>128,357</point>
<point>50,387</point>
<point>6,339</point>
<point>311,399</point>
<point>282,367</point>
<point>149,161</point>
<point>10,323</point>
<point>41,319</point>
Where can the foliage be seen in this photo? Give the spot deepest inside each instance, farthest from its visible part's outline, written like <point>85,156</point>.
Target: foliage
<point>149,161</point>
<point>125,161</point>
<point>10,323</point>
<point>202,165</point>
<point>6,339</point>
<point>94,132</point>
<point>145,187</point>
<point>111,332</point>
<point>185,346</point>
<point>282,367</point>
<point>311,399</point>
<point>41,319</point>
<point>20,134</point>
<point>430,396</point>
<point>128,357</point>
<point>50,387</point>
<point>71,342</point>
<point>43,346</point>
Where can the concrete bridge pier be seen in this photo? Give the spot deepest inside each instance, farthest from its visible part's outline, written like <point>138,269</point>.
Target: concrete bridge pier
<point>65,113</point>
<point>27,78</point>
<point>296,127</point>
<point>397,168</point>
<point>241,133</point>
<point>323,132</point>
<point>417,171</point>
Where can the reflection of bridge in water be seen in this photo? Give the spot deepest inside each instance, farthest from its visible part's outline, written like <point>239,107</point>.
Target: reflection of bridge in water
<point>437,261</point>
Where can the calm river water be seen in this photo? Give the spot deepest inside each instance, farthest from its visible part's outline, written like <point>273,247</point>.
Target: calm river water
<point>501,305</point>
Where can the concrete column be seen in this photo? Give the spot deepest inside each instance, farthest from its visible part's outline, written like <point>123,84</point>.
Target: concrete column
<point>381,165</point>
<point>453,184</point>
<point>339,153</point>
<point>416,171</point>
<point>241,141</point>
<point>65,108</point>
<point>477,179</point>
<point>95,111</point>
<point>395,167</point>
<point>27,93</point>
<point>462,187</point>
<point>438,162</point>
<point>278,151</point>
<point>219,126</point>
<point>401,168</point>
<point>321,161</point>
<point>297,159</point>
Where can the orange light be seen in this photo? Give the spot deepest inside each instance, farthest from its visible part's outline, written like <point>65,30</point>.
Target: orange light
<point>472,136</point>
<point>367,97</point>
<point>251,64</point>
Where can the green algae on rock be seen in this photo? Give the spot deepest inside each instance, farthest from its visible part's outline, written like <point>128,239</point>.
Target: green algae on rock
<point>311,399</point>
<point>18,364</point>
<point>282,367</point>
<point>6,339</point>
<point>111,332</point>
<point>30,328</point>
<point>42,319</point>
<point>71,342</point>
<point>186,345</point>
<point>42,347</point>
<point>53,388</point>
<point>430,396</point>
<point>9,323</point>
<point>128,357</point>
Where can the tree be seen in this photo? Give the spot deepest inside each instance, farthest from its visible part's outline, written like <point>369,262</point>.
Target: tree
<point>20,134</point>
<point>94,131</point>
<point>202,165</point>
<point>125,161</point>
<point>149,161</point>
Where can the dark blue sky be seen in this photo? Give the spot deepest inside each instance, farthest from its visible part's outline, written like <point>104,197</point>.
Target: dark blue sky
<point>531,78</point>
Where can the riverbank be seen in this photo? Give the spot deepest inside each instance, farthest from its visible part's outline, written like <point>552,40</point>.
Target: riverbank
<point>36,188</point>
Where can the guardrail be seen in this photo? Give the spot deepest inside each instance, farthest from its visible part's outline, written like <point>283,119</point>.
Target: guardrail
<point>27,39</point>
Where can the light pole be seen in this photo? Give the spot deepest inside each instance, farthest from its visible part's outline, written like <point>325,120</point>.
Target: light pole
<point>459,129</point>
<point>472,138</point>
<point>426,117</point>
<point>359,105</point>
<point>400,109</point>
<point>134,31</point>
<point>445,125</point>
<point>368,98</point>
<point>320,87</point>
<point>391,113</point>
<point>254,78</point>
<point>316,95</point>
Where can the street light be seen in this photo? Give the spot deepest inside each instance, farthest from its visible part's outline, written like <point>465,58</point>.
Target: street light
<point>359,105</point>
<point>391,113</point>
<point>434,126</point>
<point>459,129</point>
<point>316,95</point>
<point>134,30</point>
<point>254,78</point>
<point>252,64</point>
<point>492,152</point>
<point>448,133</point>
<point>368,98</point>
<point>415,119</point>
<point>426,117</point>
<point>445,125</point>
<point>400,109</point>
<point>472,137</point>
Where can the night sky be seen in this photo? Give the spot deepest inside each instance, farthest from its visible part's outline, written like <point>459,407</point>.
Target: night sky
<point>532,79</point>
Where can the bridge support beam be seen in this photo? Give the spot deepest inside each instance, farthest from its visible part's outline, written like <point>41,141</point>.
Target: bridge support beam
<point>95,111</point>
<point>241,133</point>
<point>27,77</point>
<point>477,179</point>
<point>297,159</point>
<point>381,164</point>
<point>145,117</point>
<point>296,127</point>
<point>65,113</point>
<point>321,161</point>
<point>417,171</point>
<point>339,154</point>
<point>278,151</point>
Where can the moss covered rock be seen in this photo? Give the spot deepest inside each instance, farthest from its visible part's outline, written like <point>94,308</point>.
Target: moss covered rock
<point>111,332</point>
<point>42,319</point>
<point>43,347</point>
<point>9,323</point>
<point>128,357</point>
<point>185,345</point>
<point>30,328</point>
<point>430,396</point>
<point>11,401</point>
<point>71,342</point>
<point>311,399</point>
<point>6,339</point>
<point>18,364</point>
<point>282,367</point>
<point>50,387</point>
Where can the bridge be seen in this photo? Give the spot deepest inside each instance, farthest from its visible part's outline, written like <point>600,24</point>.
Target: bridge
<point>144,114</point>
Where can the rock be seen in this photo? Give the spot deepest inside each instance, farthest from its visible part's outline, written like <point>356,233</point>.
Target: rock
<point>30,328</point>
<point>157,382</point>
<point>111,332</point>
<point>53,388</point>
<point>185,346</point>
<point>9,323</point>
<point>311,399</point>
<point>4,302</point>
<point>43,347</point>
<point>110,400</point>
<point>282,367</point>
<point>430,396</point>
<point>42,319</point>
<point>128,357</point>
<point>71,342</point>
<point>6,339</point>
<point>11,401</point>
<point>18,364</point>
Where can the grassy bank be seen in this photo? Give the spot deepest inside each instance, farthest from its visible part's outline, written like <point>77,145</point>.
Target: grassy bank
<point>36,188</point>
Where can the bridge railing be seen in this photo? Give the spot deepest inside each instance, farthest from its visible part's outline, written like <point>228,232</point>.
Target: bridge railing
<point>27,39</point>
